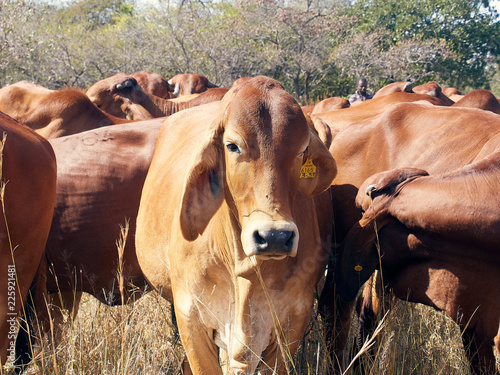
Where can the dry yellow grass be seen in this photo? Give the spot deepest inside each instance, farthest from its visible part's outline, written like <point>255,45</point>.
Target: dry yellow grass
<point>139,339</point>
<point>132,339</point>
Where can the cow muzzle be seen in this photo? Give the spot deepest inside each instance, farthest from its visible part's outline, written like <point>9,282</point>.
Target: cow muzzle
<point>273,240</point>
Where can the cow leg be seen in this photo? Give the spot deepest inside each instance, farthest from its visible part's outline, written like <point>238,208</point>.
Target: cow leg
<point>480,353</point>
<point>186,368</point>
<point>273,360</point>
<point>336,315</point>
<point>29,328</point>
<point>200,348</point>
<point>4,332</point>
<point>35,319</point>
<point>24,340</point>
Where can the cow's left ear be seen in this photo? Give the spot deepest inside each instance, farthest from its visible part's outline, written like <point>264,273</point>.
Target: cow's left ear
<point>203,191</point>
<point>318,170</point>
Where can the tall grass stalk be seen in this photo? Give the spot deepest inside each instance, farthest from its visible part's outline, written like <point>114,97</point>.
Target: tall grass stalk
<point>120,245</point>
<point>415,339</point>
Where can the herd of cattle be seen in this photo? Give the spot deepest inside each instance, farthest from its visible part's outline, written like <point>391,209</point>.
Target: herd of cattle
<point>239,201</point>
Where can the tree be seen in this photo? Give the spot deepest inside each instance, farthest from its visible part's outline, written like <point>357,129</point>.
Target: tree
<point>316,48</point>
<point>469,27</point>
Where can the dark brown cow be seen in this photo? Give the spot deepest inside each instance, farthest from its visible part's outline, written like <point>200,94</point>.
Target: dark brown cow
<point>482,99</point>
<point>439,139</point>
<point>28,177</point>
<point>394,87</point>
<point>439,245</point>
<point>154,84</point>
<point>232,203</point>
<point>191,83</point>
<point>52,113</point>
<point>116,95</point>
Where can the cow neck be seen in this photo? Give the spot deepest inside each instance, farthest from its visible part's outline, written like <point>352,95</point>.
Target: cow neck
<point>154,105</point>
<point>164,107</point>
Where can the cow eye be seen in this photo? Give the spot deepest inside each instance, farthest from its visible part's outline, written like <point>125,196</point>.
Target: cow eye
<point>233,148</point>
<point>304,152</point>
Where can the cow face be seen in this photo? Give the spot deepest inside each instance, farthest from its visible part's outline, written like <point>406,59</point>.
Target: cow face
<point>359,256</point>
<point>119,96</point>
<point>263,154</point>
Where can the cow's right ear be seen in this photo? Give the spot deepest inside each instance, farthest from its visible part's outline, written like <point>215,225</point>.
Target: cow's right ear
<point>203,190</point>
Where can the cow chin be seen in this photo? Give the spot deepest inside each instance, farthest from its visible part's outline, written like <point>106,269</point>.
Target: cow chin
<point>270,239</point>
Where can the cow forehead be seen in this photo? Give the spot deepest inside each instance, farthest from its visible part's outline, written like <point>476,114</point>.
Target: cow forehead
<point>269,116</point>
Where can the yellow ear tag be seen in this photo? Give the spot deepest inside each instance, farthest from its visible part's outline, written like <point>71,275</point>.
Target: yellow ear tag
<point>308,170</point>
<point>358,268</point>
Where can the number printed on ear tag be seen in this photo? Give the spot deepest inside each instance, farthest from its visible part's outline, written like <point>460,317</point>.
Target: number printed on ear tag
<point>308,170</point>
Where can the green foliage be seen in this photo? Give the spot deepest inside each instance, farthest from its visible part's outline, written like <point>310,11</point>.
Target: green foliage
<point>96,13</point>
<point>469,27</point>
<point>314,47</point>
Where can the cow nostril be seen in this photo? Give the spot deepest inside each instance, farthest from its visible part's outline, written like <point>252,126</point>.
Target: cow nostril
<point>259,240</point>
<point>289,242</point>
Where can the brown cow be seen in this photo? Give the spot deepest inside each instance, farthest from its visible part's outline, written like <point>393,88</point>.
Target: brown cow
<point>450,91</point>
<point>227,197</point>
<point>155,84</point>
<point>241,81</point>
<point>330,104</point>
<point>100,177</point>
<point>394,87</point>
<point>99,183</point>
<point>439,139</point>
<point>439,245</point>
<point>482,99</point>
<point>432,88</point>
<point>338,119</point>
<point>116,95</point>
<point>191,83</point>
<point>52,113</point>
<point>28,177</point>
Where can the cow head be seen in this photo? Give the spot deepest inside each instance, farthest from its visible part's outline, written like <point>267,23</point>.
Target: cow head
<point>359,256</point>
<point>432,88</point>
<point>259,155</point>
<point>187,84</point>
<point>120,96</point>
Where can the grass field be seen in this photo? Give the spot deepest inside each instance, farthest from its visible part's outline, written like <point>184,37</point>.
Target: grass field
<point>139,339</point>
